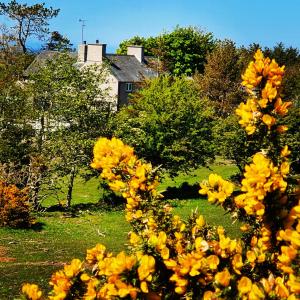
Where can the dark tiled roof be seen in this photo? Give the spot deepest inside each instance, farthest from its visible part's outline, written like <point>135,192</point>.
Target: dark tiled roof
<point>41,59</point>
<point>126,68</point>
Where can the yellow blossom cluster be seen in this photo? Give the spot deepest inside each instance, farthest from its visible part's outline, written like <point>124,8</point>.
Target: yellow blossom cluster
<point>262,68</point>
<point>289,254</point>
<point>263,79</point>
<point>62,280</point>
<point>31,291</point>
<point>126,174</point>
<point>114,269</point>
<point>216,188</point>
<point>260,178</point>
<point>249,114</point>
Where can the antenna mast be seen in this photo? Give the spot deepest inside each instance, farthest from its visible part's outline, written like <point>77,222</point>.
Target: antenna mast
<point>82,28</point>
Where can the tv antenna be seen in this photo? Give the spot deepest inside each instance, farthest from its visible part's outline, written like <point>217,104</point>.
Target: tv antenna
<point>82,28</point>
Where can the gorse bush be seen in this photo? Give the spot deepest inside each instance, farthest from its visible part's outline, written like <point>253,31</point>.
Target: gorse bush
<point>170,258</point>
<point>14,208</point>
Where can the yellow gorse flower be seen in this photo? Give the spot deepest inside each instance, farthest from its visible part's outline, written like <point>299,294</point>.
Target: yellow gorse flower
<point>95,254</point>
<point>261,177</point>
<point>217,189</point>
<point>32,291</point>
<point>251,113</point>
<point>223,278</point>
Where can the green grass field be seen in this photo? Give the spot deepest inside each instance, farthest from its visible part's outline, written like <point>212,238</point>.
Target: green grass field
<point>33,255</point>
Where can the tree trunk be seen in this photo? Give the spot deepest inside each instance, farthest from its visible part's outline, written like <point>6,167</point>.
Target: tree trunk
<point>41,133</point>
<point>24,49</point>
<point>35,194</point>
<point>70,186</point>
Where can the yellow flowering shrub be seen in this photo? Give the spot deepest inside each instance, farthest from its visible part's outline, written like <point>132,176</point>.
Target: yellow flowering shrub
<point>170,258</point>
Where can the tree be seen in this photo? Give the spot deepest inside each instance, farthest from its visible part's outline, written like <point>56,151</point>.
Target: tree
<point>184,49</point>
<point>149,45</point>
<point>290,57</point>
<point>220,81</point>
<point>58,42</point>
<point>181,51</point>
<point>168,124</point>
<point>71,108</point>
<point>15,130</point>
<point>30,20</point>
<point>233,143</point>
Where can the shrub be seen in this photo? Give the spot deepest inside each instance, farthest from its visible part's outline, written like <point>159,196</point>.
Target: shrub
<point>168,124</point>
<point>14,208</point>
<point>171,258</point>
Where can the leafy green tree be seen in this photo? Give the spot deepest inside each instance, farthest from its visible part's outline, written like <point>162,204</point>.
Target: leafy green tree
<point>58,42</point>
<point>220,82</point>
<point>71,108</point>
<point>181,51</point>
<point>15,130</point>
<point>168,124</point>
<point>233,142</point>
<point>30,20</point>
<point>184,49</point>
<point>149,45</point>
<point>292,136</point>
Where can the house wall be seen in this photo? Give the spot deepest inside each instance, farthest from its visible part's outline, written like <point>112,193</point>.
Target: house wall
<point>123,95</point>
<point>113,88</point>
<point>111,85</point>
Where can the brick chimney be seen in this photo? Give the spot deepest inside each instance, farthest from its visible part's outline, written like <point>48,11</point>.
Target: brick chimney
<point>137,51</point>
<point>91,52</point>
<point>82,52</point>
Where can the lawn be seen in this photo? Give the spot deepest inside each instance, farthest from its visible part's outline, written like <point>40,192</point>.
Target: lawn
<point>33,255</point>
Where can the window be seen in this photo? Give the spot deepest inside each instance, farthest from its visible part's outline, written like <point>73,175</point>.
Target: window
<point>128,87</point>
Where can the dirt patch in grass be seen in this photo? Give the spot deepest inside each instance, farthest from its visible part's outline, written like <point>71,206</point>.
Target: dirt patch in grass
<point>3,255</point>
<point>40,263</point>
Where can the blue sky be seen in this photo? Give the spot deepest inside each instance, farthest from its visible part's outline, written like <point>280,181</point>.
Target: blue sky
<point>111,21</point>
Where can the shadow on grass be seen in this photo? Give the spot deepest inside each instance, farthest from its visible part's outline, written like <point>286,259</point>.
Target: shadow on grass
<point>75,210</point>
<point>184,191</point>
<point>38,226</point>
<point>111,202</point>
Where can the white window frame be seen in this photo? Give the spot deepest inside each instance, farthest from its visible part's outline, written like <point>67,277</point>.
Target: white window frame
<point>129,87</point>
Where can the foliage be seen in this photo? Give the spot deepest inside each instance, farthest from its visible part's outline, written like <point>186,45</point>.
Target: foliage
<point>14,208</point>
<point>15,131</point>
<point>174,259</point>
<point>70,108</point>
<point>292,136</point>
<point>58,42</point>
<point>181,51</point>
<point>184,50</point>
<point>168,124</point>
<point>149,45</point>
<point>287,56</point>
<point>233,143</point>
<point>30,20</point>
<point>220,82</point>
